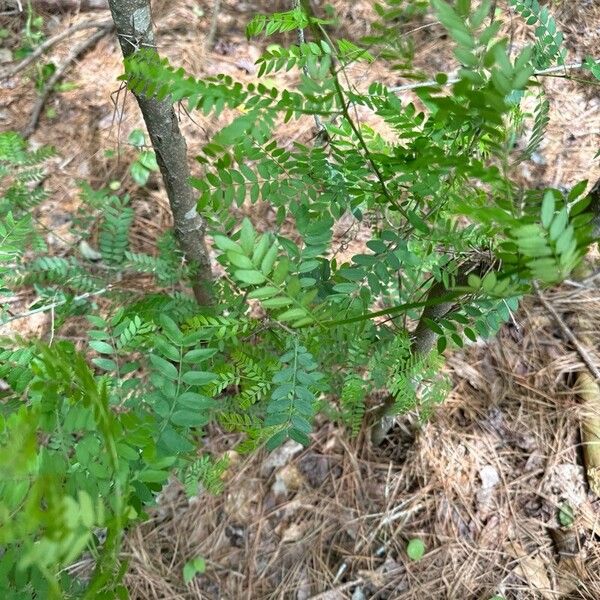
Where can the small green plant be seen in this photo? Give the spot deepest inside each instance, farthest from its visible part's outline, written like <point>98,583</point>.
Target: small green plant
<point>566,517</point>
<point>31,37</point>
<point>593,66</point>
<point>32,34</point>
<point>193,567</point>
<point>145,162</point>
<point>415,549</point>
<point>548,46</point>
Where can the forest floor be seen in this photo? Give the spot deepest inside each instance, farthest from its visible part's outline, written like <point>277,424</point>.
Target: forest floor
<point>482,482</point>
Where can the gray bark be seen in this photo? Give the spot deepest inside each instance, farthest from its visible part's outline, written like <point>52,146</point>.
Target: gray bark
<point>133,21</point>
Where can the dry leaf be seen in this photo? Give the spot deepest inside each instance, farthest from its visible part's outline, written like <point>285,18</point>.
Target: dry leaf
<point>532,570</point>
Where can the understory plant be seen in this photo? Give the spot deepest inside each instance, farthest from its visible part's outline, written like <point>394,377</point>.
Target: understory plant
<point>89,435</point>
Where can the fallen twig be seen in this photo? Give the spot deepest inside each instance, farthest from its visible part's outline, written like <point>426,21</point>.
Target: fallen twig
<point>52,41</point>
<point>214,23</point>
<point>588,389</point>
<point>75,53</point>
<point>568,333</point>
<point>64,5</point>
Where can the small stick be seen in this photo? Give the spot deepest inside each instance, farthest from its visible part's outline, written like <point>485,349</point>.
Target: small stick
<point>81,48</point>
<point>301,40</point>
<point>52,41</point>
<point>581,350</point>
<point>214,23</point>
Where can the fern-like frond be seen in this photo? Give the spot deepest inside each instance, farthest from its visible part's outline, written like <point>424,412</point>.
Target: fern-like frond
<point>549,41</point>
<point>113,238</point>
<point>352,400</point>
<point>278,22</point>
<point>58,271</point>
<point>540,124</point>
<point>291,406</point>
<point>13,235</point>
<point>205,473</point>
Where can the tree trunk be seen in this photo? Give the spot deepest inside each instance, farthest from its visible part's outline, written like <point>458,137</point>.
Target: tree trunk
<point>133,21</point>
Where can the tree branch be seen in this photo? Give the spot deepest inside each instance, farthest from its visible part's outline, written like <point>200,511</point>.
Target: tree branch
<point>52,41</point>
<point>452,80</point>
<point>75,53</point>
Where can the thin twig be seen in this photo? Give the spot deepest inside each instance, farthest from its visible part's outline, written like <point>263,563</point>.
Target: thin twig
<point>52,41</point>
<point>75,53</point>
<point>581,350</point>
<point>302,40</point>
<point>214,24</point>
<point>321,35</point>
<point>452,80</point>
<point>52,306</point>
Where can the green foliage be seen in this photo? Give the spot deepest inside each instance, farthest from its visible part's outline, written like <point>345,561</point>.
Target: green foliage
<point>103,213</point>
<point>388,37</point>
<point>204,474</point>
<point>352,400</point>
<point>252,260</point>
<point>541,120</point>
<point>593,66</point>
<point>47,518</point>
<point>413,373</point>
<point>145,161</point>
<point>113,239</point>
<point>291,407</point>
<point>21,173</point>
<point>548,46</point>
<point>566,516</point>
<point>415,549</point>
<point>32,34</point>
<point>280,22</point>
<point>310,56</point>
<point>192,568</point>
<point>89,438</point>
<point>13,236</point>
